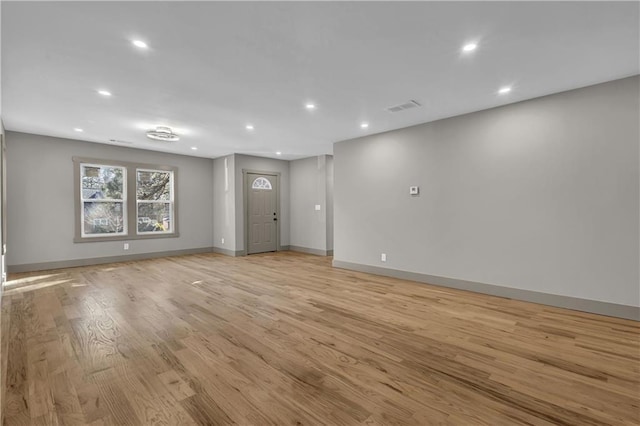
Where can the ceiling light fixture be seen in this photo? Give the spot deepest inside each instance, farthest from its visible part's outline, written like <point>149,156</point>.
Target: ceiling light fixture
<point>249,127</point>
<point>162,133</point>
<point>195,148</point>
<point>278,153</point>
<point>504,90</point>
<point>78,129</point>
<point>104,92</point>
<point>364,125</point>
<point>139,43</point>
<point>310,106</point>
<point>469,47</point>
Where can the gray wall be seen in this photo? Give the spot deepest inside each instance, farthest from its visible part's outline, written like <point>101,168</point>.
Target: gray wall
<point>248,162</point>
<point>224,207</point>
<point>541,195</point>
<point>330,203</point>
<point>310,187</point>
<point>3,161</point>
<point>41,200</point>
<point>3,270</point>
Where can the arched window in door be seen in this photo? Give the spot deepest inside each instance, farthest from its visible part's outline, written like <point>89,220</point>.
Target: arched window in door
<point>261,183</point>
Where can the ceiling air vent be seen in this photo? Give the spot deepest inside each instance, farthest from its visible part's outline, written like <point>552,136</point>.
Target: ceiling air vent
<point>120,142</point>
<point>404,106</point>
<point>162,133</point>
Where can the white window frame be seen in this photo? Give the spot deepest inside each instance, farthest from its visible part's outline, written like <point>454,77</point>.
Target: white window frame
<point>171,201</point>
<point>125,230</point>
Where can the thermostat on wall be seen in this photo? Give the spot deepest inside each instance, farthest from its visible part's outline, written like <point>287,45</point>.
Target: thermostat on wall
<point>414,190</point>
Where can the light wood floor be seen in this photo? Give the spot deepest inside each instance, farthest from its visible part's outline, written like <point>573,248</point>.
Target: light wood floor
<point>285,339</point>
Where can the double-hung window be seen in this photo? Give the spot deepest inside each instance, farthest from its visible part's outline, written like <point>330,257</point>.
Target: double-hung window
<point>154,199</point>
<point>118,200</point>
<point>103,200</point>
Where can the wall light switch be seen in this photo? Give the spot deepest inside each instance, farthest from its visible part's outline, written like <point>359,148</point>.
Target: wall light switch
<point>126,246</point>
<point>383,257</point>
<point>414,190</point>
<point>222,240</point>
<point>318,207</point>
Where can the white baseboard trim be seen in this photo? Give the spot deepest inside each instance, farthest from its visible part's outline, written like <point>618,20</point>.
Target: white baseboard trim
<point>585,305</point>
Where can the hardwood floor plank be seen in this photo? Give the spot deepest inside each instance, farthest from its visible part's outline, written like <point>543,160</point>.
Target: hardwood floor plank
<point>65,400</point>
<point>91,402</point>
<point>40,391</point>
<point>5,321</point>
<point>205,411</point>
<point>174,384</point>
<point>116,399</point>
<point>283,338</point>
<point>17,391</point>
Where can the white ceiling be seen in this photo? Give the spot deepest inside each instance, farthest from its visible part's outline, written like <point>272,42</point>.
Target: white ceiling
<point>214,67</point>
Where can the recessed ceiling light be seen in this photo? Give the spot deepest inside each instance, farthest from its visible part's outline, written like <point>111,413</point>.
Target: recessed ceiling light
<point>504,90</point>
<point>469,47</point>
<point>139,43</point>
<point>195,148</point>
<point>104,92</point>
<point>364,125</point>
<point>278,153</point>
<point>78,129</point>
<point>249,127</point>
<point>310,106</point>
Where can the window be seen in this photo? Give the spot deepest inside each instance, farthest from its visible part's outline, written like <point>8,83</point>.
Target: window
<point>261,183</point>
<point>124,201</point>
<point>103,198</point>
<point>154,198</point>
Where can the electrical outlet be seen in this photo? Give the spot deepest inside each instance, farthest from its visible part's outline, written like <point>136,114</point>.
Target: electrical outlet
<point>222,240</point>
<point>383,257</point>
<point>318,207</point>
<point>126,246</point>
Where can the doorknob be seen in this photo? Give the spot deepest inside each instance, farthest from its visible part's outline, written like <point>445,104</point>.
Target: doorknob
<point>275,218</point>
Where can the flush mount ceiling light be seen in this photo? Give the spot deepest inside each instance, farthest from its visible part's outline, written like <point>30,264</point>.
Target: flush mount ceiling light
<point>78,129</point>
<point>504,90</point>
<point>364,125</point>
<point>469,47</point>
<point>162,133</point>
<point>310,106</point>
<point>249,127</point>
<point>104,92</point>
<point>140,44</point>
